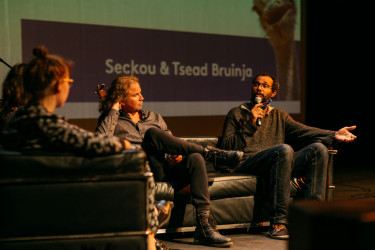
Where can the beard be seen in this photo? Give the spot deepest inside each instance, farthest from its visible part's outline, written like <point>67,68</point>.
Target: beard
<point>257,95</point>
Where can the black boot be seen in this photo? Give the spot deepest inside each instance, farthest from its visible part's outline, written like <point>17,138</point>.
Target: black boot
<point>205,234</point>
<point>222,157</point>
<point>212,222</point>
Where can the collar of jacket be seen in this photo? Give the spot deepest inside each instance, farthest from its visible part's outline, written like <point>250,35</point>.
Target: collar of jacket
<point>248,105</point>
<point>144,114</point>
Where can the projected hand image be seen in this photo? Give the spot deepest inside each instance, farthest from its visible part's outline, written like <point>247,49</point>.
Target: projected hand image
<point>278,20</point>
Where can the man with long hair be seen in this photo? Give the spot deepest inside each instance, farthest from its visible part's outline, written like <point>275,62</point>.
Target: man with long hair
<point>171,158</point>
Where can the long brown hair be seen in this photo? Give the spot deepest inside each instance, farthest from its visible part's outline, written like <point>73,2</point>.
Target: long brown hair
<point>117,92</point>
<point>13,92</point>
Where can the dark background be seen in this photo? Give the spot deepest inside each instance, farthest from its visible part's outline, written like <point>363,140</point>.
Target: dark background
<point>338,75</point>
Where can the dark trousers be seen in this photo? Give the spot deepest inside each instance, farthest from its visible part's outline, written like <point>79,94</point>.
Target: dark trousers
<point>279,164</point>
<point>191,170</point>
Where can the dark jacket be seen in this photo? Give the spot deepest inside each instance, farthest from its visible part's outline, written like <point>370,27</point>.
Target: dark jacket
<point>278,127</point>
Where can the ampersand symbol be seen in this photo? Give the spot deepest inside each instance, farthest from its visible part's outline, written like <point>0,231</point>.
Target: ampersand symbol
<point>164,69</point>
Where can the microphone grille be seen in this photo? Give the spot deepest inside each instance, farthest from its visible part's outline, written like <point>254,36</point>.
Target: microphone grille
<point>258,99</point>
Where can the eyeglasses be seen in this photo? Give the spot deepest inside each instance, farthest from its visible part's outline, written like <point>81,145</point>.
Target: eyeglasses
<point>264,86</point>
<point>70,81</point>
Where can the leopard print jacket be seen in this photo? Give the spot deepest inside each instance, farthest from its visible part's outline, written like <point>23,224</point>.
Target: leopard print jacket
<point>32,127</point>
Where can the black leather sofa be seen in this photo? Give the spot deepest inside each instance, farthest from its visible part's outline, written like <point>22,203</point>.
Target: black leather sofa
<point>72,202</point>
<point>62,201</point>
<point>237,200</point>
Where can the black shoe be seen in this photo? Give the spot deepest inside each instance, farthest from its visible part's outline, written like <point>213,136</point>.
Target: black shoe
<point>160,245</point>
<point>164,211</point>
<point>278,231</point>
<point>222,157</point>
<point>299,183</point>
<point>205,234</point>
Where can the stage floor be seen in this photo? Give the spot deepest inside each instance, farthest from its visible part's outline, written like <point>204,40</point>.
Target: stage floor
<point>351,184</point>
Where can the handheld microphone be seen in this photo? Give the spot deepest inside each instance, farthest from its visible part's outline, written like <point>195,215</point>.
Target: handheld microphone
<point>258,100</point>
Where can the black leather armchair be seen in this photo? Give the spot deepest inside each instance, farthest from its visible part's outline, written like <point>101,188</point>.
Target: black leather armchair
<point>62,201</point>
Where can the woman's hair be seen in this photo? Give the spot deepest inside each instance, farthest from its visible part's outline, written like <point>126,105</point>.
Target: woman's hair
<point>118,91</point>
<point>42,71</point>
<point>13,92</point>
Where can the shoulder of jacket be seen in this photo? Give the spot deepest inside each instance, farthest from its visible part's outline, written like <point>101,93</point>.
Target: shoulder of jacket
<point>149,114</point>
<point>245,106</point>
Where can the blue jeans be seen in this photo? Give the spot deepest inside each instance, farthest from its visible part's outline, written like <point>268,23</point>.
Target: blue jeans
<point>279,164</point>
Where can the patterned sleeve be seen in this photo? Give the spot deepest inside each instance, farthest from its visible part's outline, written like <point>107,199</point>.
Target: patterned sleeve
<point>61,134</point>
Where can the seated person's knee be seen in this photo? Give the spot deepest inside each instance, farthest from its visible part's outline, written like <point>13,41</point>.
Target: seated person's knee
<point>286,150</point>
<point>320,149</point>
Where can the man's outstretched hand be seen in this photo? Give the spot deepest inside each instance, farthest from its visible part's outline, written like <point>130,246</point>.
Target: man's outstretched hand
<point>343,135</point>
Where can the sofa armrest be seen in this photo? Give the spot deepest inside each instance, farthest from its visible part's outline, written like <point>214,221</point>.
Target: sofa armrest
<point>16,165</point>
<point>202,140</point>
<point>330,185</point>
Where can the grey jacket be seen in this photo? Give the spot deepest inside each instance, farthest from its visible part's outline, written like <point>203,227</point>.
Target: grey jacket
<point>119,124</point>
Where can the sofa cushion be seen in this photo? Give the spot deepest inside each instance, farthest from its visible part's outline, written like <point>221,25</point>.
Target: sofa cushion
<point>232,186</point>
<point>202,140</point>
<point>49,165</point>
<point>219,187</point>
<point>235,210</point>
